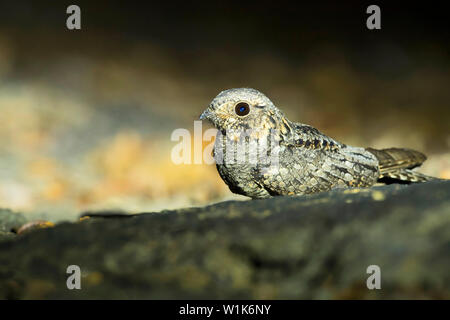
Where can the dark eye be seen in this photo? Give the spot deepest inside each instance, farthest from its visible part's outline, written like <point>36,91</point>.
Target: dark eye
<point>242,109</point>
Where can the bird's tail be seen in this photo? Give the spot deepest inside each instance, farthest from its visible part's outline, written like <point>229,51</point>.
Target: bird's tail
<point>396,165</point>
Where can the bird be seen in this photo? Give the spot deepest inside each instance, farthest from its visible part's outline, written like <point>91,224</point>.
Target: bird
<point>291,158</point>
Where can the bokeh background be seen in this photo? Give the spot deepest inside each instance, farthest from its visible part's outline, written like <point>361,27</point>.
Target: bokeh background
<point>86,116</point>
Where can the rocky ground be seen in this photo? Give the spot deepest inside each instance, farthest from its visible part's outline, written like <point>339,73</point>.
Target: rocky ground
<point>307,247</point>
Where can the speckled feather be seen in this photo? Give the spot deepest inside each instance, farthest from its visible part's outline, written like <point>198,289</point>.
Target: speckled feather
<point>308,161</point>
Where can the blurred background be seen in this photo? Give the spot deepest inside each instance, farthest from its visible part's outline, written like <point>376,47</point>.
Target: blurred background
<point>86,116</point>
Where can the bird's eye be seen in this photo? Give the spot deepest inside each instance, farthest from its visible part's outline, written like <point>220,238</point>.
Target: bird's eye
<point>242,109</point>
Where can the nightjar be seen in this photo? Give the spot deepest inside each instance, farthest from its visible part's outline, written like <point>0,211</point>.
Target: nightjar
<point>260,153</point>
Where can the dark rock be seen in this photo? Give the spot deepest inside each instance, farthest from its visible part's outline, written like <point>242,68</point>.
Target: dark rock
<point>9,221</point>
<point>308,247</point>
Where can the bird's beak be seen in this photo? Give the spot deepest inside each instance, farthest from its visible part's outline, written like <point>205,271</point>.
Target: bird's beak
<point>206,115</point>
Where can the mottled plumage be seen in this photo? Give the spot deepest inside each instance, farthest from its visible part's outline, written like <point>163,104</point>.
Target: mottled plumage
<point>307,161</point>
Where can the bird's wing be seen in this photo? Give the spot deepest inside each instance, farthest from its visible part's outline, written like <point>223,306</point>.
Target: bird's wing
<point>393,159</point>
<point>311,162</point>
<point>396,164</point>
<point>305,136</point>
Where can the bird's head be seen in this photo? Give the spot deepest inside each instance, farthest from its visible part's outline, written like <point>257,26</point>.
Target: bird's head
<point>242,109</point>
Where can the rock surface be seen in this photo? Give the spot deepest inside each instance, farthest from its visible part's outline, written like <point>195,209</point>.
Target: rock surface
<point>8,221</point>
<point>307,247</point>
